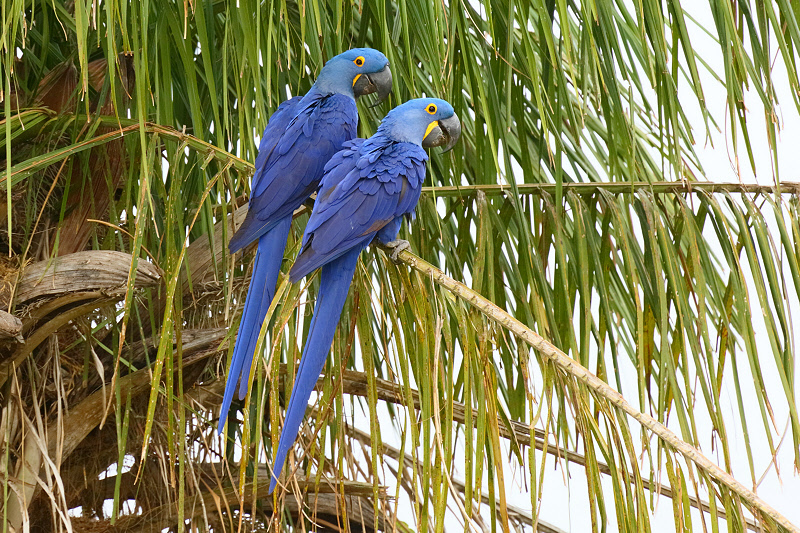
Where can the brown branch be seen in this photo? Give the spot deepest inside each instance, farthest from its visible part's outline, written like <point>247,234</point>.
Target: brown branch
<point>88,414</point>
<point>10,327</point>
<point>42,308</point>
<point>73,275</point>
<point>516,513</point>
<point>356,383</point>
<point>43,332</point>
<point>83,271</point>
<point>325,507</point>
<point>201,256</point>
<point>323,502</point>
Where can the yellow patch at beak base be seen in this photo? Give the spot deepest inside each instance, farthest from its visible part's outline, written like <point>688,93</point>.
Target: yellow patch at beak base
<point>356,79</point>
<point>430,128</point>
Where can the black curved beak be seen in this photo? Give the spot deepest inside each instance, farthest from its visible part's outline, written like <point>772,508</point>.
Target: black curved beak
<point>380,82</point>
<point>446,134</point>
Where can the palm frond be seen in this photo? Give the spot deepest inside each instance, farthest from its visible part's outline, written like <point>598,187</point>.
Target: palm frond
<point>575,204</point>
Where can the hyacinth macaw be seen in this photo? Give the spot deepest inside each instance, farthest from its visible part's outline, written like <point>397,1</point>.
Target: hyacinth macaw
<point>301,136</point>
<point>367,189</point>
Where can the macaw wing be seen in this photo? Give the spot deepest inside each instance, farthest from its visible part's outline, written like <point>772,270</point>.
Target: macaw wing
<point>317,131</point>
<point>276,127</point>
<point>289,166</point>
<point>359,196</point>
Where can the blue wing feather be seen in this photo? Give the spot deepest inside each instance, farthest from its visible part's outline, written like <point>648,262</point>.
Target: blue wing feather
<point>300,138</point>
<point>292,157</point>
<point>274,131</point>
<point>367,188</point>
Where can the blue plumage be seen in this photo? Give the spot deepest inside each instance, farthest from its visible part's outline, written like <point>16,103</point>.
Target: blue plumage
<point>302,135</point>
<point>291,170</point>
<point>366,190</point>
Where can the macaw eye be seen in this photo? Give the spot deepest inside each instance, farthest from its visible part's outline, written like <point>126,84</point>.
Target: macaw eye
<point>359,61</point>
<point>431,109</point>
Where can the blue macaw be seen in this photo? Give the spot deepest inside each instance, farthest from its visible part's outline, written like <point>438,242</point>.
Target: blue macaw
<point>366,190</point>
<point>302,135</point>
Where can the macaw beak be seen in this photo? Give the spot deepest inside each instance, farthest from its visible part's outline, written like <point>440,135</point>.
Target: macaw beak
<point>380,82</point>
<point>445,133</point>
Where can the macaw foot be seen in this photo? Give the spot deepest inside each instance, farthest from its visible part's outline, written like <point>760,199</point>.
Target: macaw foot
<point>397,246</point>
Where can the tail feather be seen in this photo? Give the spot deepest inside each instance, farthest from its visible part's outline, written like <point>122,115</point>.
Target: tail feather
<point>259,297</point>
<point>335,281</point>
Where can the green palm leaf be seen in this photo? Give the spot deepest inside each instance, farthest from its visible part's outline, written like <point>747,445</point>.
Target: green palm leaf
<point>575,209</point>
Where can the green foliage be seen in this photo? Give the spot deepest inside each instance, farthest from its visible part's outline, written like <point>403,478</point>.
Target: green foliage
<point>145,114</point>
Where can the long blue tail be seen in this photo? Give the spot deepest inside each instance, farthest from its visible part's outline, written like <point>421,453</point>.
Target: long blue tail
<point>259,296</point>
<point>335,281</point>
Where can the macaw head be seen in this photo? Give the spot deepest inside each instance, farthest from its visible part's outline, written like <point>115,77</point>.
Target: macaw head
<point>357,72</point>
<point>427,122</point>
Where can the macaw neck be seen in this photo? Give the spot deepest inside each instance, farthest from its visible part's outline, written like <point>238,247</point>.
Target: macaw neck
<point>396,130</point>
<point>376,142</point>
<point>383,143</point>
<point>328,83</point>
<point>315,100</point>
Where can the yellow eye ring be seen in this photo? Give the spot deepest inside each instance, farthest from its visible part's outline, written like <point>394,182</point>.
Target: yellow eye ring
<point>431,109</point>
<point>359,61</point>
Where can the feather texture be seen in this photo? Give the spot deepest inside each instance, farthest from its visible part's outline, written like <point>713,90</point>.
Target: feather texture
<point>301,136</point>
<point>367,188</point>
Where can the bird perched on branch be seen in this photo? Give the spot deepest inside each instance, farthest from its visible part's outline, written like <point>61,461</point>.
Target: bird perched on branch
<point>302,135</point>
<point>367,189</point>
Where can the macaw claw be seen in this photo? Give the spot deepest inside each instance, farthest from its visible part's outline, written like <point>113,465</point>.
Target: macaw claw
<point>397,246</point>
